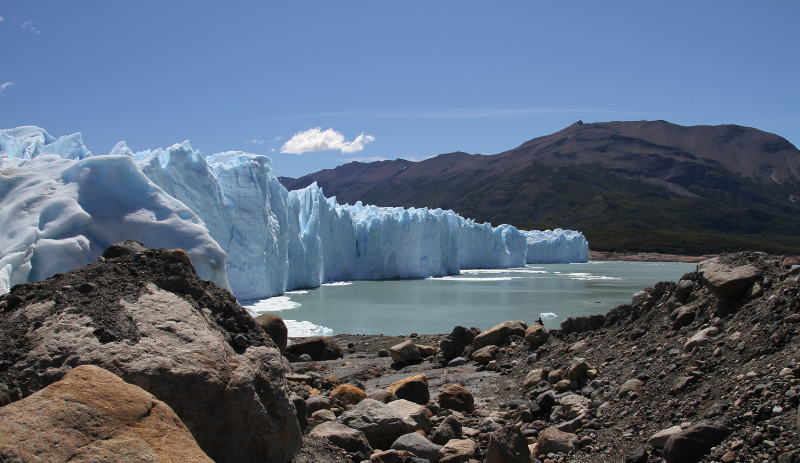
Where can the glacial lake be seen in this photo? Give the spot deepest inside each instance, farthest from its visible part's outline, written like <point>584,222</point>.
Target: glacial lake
<point>481,298</point>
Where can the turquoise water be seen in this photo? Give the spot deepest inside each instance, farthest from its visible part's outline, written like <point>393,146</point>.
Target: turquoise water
<point>481,298</point>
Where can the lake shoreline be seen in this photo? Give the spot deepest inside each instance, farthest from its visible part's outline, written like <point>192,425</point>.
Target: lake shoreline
<point>646,257</point>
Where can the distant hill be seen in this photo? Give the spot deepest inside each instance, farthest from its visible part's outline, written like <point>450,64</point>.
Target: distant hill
<point>645,186</point>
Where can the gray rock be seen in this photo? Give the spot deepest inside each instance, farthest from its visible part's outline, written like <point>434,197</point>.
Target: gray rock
<point>574,405</point>
<point>380,423</point>
<point>302,412</point>
<point>323,415</point>
<point>551,440</point>
<point>457,451</point>
<point>383,396</point>
<point>693,443</point>
<point>508,445</point>
<point>344,437</point>
<point>725,281</point>
<point>321,348</point>
<point>457,362</point>
<point>417,444</point>
<point>405,352</point>
<point>495,335</point>
<point>577,369</point>
<point>638,456</point>
<point>630,386</point>
<point>450,428</point>
<point>658,439</point>
<point>454,344</point>
<point>700,339</point>
<point>683,316</point>
<point>318,402</point>
<point>413,414</point>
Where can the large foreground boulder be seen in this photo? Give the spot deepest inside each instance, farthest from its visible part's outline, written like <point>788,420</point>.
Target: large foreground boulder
<point>149,319</point>
<point>92,415</point>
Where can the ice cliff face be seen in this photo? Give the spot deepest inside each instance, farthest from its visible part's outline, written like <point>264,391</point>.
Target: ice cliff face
<point>556,246</point>
<point>228,203</point>
<point>60,208</point>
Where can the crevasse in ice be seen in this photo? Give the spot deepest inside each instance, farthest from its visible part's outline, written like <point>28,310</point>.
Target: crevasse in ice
<point>60,207</point>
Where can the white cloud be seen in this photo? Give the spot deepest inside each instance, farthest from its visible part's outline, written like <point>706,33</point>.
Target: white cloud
<point>317,140</point>
<point>5,86</point>
<point>29,25</point>
<point>1,18</point>
<point>255,142</point>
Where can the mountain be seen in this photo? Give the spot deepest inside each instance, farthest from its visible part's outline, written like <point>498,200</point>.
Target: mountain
<point>630,186</point>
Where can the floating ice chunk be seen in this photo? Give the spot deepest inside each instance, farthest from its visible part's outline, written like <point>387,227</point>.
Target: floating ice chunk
<point>272,304</point>
<point>305,329</point>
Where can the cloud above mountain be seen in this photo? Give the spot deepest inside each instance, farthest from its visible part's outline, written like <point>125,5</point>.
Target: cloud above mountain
<point>318,140</point>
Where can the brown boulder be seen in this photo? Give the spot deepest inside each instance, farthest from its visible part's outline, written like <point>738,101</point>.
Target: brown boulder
<point>348,394</point>
<point>496,334</point>
<point>536,334</point>
<point>317,348</point>
<point>456,397</point>
<point>275,328</point>
<point>486,354</point>
<point>93,415</point>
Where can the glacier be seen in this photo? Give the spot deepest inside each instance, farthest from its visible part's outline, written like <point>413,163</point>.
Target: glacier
<point>556,246</point>
<point>60,206</point>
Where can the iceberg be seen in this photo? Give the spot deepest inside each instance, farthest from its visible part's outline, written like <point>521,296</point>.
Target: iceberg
<point>556,247</point>
<point>61,206</point>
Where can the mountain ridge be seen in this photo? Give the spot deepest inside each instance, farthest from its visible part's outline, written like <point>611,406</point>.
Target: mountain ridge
<point>654,176</point>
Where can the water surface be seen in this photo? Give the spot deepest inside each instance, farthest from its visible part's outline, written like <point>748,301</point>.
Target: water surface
<point>481,298</point>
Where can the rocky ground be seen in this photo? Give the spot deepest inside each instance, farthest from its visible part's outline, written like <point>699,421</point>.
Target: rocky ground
<point>703,369</point>
<point>712,357</point>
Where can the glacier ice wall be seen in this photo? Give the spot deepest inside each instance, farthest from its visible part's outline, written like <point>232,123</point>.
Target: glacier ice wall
<point>230,207</point>
<point>60,208</point>
<point>556,246</point>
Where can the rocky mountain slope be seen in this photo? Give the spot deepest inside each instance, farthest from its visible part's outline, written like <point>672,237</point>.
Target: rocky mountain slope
<point>613,181</point>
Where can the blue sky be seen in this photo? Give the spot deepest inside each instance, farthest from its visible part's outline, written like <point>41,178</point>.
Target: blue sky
<point>416,79</point>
